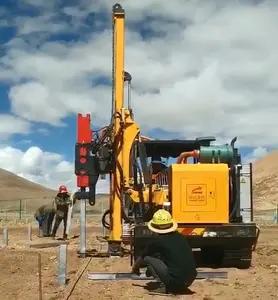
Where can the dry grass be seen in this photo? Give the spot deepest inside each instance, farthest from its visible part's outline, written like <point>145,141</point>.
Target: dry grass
<point>265,174</point>
<point>13,188</point>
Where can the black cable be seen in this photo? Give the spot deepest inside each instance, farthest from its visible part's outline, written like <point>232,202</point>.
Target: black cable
<point>106,224</point>
<point>234,195</point>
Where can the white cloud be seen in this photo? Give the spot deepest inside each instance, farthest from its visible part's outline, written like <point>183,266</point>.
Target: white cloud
<point>10,125</point>
<point>209,69</point>
<point>39,3</point>
<point>43,131</point>
<point>256,154</point>
<point>48,169</point>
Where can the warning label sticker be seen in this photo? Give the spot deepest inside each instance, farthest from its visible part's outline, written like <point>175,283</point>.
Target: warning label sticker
<point>196,194</point>
<point>243,180</point>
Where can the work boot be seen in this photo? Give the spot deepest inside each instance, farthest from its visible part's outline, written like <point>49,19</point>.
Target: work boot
<point>161,290</point>
<point>65,237</point>
<point>148,273</point>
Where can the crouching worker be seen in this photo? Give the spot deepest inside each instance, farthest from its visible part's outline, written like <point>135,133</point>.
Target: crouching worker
<point>62,202</point>
<point>45,215</point>
<point>168,257</point>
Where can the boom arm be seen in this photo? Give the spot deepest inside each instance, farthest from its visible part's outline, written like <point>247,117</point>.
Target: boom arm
<point>124,133</point>
<point>110,151</point>
<point>117,176</point>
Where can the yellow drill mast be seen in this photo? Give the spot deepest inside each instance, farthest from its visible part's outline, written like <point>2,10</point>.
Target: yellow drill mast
<point>124,133</point>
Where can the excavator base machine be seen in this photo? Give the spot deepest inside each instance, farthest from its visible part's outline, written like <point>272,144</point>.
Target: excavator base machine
<point>210,198</point>
<point>207,188</point>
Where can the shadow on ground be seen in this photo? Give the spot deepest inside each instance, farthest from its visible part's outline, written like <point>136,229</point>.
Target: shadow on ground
<point>153,285</point>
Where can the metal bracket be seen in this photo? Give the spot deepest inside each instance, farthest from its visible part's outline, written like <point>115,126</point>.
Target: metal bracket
<point>130,276</point>
<point>257,238</point>
<point>115,248</point>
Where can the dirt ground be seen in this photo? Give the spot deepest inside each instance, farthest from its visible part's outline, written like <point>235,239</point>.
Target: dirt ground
<point>19,273</point>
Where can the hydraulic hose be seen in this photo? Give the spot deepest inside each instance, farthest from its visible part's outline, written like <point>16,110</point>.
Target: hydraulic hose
<point>106,224</point>
<point>233,204</point>
<point>234,196</point>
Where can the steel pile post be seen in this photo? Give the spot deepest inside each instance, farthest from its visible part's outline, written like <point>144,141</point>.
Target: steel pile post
<point>62,264</point>
<point>82,251</point>
<point>40,275</point>
<point>5,237</point>
<point>29,233</point>
<point>20,209</point>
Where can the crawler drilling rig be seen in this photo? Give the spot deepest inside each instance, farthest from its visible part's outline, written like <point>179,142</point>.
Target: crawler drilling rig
<point>210,198</point>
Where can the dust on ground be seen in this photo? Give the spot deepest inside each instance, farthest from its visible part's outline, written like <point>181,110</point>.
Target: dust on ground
<point>19,273</point>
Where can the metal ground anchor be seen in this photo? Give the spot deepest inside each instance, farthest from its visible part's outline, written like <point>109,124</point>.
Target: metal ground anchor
<point>62,264</point>
<point>130,276</point>
<point>5,237</point>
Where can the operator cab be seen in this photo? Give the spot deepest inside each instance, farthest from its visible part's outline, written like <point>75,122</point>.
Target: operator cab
<point>152,152</point>
<point>173,148</point>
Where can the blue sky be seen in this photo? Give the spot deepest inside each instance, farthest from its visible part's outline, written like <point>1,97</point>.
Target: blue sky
<point>202,68</point>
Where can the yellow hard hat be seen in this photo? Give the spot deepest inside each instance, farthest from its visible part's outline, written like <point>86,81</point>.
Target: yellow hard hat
<point>162,218</point>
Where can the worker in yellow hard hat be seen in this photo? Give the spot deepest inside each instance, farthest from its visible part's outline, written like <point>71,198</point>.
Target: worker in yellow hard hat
<point>168,257</point>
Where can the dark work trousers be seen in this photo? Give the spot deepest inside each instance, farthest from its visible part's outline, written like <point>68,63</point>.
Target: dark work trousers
<point>158,269</point>
<point>47,223</point>
<point>58,220</point>
<point>40,220</point>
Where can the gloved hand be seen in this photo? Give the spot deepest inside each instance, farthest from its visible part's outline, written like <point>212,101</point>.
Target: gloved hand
<point>135,271</point>
<point>136,266</point>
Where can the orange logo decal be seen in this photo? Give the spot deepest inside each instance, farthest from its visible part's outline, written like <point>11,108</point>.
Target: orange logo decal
<point>197,190</point>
